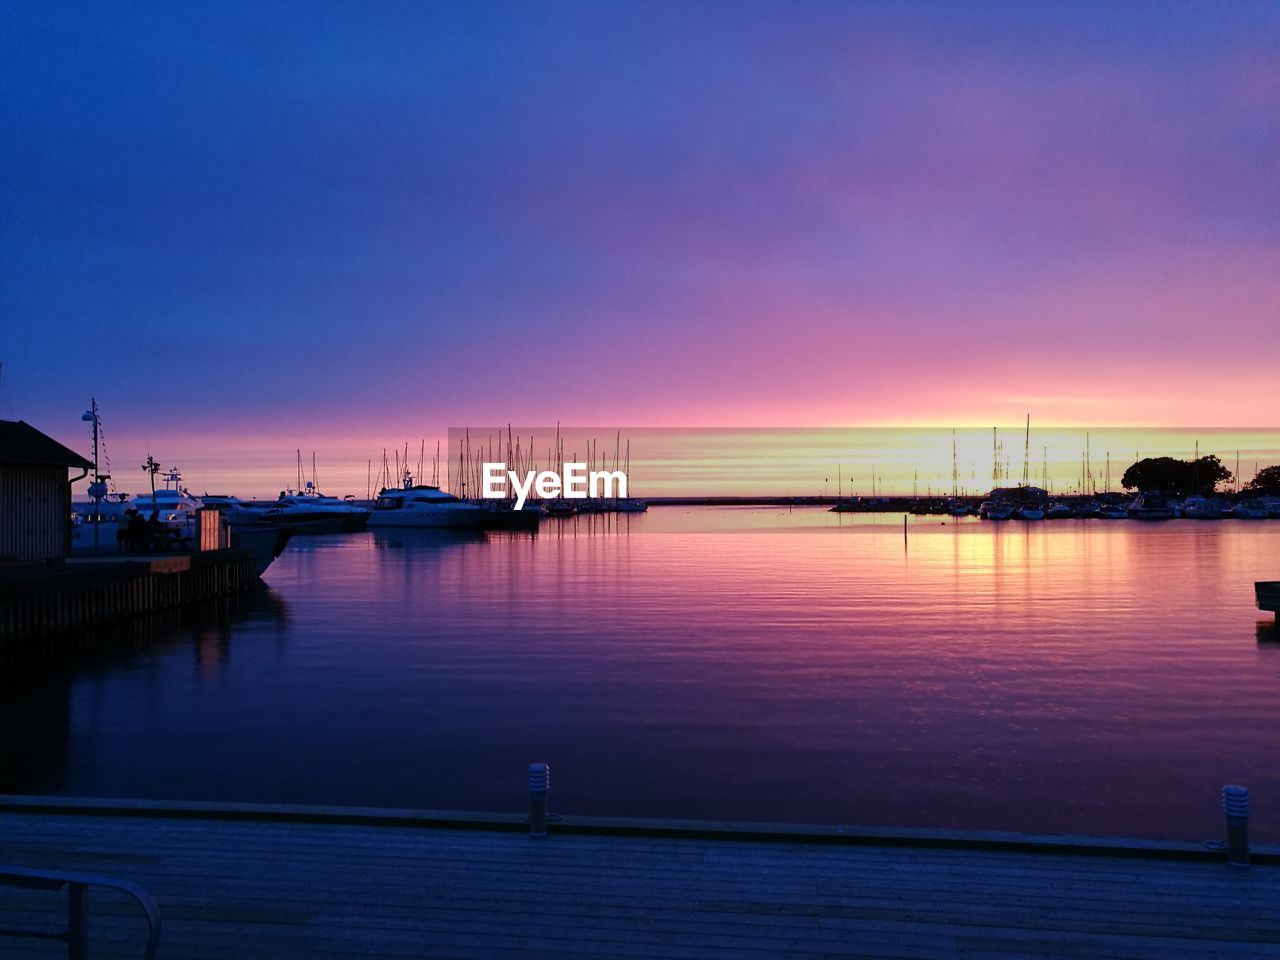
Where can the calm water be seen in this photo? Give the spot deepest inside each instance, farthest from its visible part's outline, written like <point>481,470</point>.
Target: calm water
<point>1095,676</point>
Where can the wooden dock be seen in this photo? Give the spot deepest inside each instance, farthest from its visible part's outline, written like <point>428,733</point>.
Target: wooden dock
<point>277,882</point>
<point>38,600</point>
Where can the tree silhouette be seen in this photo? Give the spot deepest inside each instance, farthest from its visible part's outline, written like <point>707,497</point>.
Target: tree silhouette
<point>1177,477</point>
<point>1266,482</point>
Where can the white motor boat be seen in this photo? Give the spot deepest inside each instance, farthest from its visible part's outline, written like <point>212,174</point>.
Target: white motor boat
<point>1000,510</point>
<point>1201,508</point>
<point>1249,510</point>
<point>173,506</point>
<point>423,506</point>
<point>235,510</point>
<point>310,511</point>
<point>1030,511</point>
<point>1150,506</point>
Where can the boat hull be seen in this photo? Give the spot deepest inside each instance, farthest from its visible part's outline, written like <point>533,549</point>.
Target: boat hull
<point>263,542</point>
<point>1150,513</point>
<point>427,519</point>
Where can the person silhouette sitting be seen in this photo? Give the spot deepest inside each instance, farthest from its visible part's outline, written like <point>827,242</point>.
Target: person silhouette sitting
<point>136,532</point>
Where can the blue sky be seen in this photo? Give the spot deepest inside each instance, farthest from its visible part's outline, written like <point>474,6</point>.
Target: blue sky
<point>377,221</point>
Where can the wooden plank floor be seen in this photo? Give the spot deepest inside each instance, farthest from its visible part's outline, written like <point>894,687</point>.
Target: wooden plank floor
<point>244,889</point>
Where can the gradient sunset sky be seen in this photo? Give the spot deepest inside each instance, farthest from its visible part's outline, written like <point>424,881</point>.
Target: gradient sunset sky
<point>248,228</point>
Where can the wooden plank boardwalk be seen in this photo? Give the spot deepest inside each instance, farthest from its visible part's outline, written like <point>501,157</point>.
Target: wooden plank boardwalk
<point>274,888</point>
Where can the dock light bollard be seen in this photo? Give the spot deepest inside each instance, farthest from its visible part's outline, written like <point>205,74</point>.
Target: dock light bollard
<point>1235,804</point>
<point>539,784</point>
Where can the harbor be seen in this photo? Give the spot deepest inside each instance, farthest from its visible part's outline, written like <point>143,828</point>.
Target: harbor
<point>640,481</point>
<point>916,684</point>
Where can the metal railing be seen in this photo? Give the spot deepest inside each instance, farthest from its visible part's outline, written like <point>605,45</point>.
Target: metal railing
<point>77,886</point>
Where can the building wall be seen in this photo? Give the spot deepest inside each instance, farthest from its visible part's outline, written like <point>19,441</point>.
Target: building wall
<point>34,512</point>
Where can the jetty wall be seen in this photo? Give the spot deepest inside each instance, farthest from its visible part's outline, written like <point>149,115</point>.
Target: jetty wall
<point>41,601</point>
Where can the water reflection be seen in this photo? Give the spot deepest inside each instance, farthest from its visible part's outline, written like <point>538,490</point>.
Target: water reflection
<point>37,681</point>
<point>746,663</point>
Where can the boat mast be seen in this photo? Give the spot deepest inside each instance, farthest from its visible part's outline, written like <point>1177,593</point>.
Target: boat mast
<point>955,471</point>
<point>1026,455</point>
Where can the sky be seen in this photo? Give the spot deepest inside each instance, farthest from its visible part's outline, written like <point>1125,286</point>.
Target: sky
<point>247,230</point>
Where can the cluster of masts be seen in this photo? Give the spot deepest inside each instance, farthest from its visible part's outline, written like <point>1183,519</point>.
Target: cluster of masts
<point>523,456</point>
<point>1093,479</point>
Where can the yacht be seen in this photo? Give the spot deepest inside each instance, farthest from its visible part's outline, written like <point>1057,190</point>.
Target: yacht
<point>1000,510</point>
<point>1150,506</point>
<point>632,505</point>
<point>173,506</point>
<point>1059,511</point>
<point>309,511</point>
<point>1111,511</point>
<point>422,506</point>
<point>1249,510</point>
<point>1030,511</point>
<point>237,511</point>
<point>1200,508</point>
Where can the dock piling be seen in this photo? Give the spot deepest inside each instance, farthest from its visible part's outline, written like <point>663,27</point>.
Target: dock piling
<point>1235,804</point>
<point>539,784</point>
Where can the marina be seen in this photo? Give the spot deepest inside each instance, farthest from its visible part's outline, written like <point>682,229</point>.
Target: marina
<point>876,679</point>
<point>835,439</point>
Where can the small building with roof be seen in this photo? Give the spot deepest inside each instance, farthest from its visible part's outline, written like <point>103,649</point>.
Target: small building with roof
<point>35,493</point>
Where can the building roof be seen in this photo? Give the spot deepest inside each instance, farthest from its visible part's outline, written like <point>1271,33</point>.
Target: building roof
<point>22,443</point>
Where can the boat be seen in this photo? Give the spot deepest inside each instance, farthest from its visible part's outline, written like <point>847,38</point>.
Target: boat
<point>424,506</point>
<point>1249,510</point>
<point>1059,511</point>
<point>1024,501</point>
<point>172,506</point>
<point>1000,510</point>
<point>503,515</point>
<point>1272,504</point>
<point>1200,508</point>
<point>309,511</point>
<point>1111,511</point>
<point>263,542</point>
<point>957,508</point>
<point>631,505</point>
<point>559,508</point>
<point>851,505</point>
<point>235,510</point>
<point>1150,506</point>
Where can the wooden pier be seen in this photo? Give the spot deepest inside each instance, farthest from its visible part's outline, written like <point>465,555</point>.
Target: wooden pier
<point>39,600</point>
<point>285,882</point>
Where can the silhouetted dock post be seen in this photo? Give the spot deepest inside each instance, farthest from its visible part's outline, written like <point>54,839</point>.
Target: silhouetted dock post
<point>1235,804</point>
<point>539,784</point>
